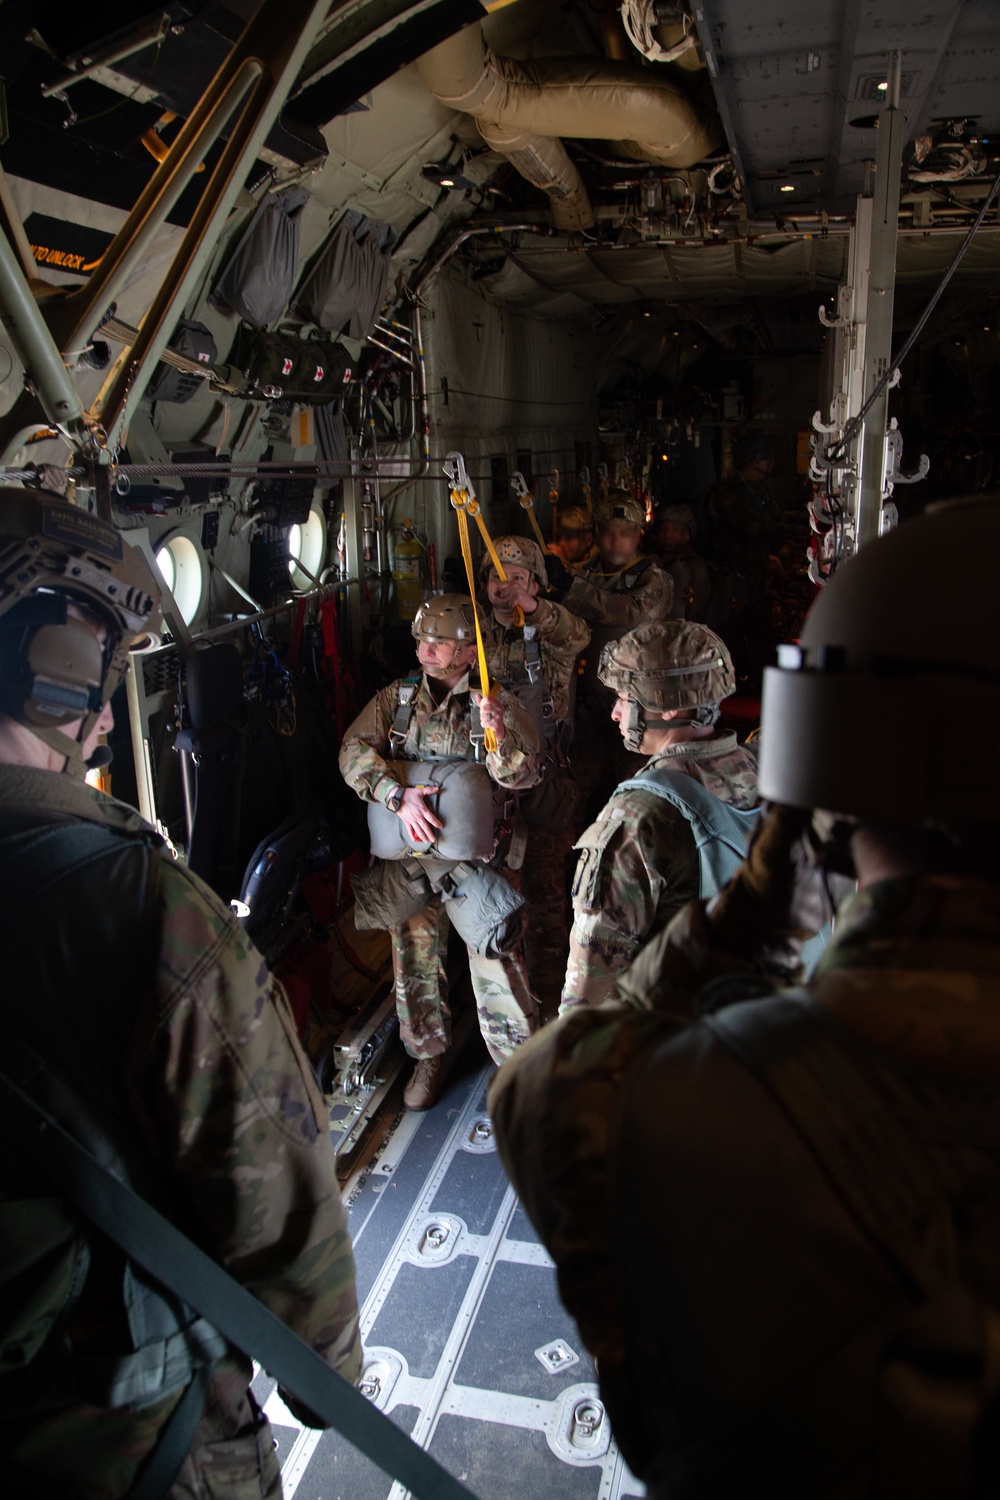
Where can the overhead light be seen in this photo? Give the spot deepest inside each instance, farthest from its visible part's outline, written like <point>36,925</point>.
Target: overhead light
<point>787,187</point>
<point>882,86</point>
<point>444,175</point>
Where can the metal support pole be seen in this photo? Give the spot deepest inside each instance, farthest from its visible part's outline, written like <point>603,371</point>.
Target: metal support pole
<point>34,344</point>
<point>882,280</point>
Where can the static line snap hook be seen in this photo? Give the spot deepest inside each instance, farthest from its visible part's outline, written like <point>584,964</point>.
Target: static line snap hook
<point>521,490</point>
<point>122,484</point>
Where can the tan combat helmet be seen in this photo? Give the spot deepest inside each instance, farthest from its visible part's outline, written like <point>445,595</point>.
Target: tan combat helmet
<point>447,617</point>
<point>574,518</point>
<point>681,515</point>
<point>517,552</point>
<point>620,506</point>
<point>53,668</point>
<point>886,709</point>
<point>668,664</point>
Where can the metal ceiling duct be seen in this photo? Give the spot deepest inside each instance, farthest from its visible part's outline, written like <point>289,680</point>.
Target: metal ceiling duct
<point>522,109</point>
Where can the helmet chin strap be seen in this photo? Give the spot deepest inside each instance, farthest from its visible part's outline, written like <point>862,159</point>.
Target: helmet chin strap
<point>71,750</point>
<point>633,725</point>
<point>634,722</point>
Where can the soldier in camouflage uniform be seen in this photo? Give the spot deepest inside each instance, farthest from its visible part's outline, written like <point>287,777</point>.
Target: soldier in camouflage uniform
<point>574,544</point>
<point>548,808</point>
<point>137,987</point>
<point>639,862</point>
<point>441,726</point>
<point>618,589</point>
<point>774,1211</point>
<point>676,527</point>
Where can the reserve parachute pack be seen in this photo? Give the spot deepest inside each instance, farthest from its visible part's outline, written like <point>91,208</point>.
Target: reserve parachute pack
<point>467,800</point>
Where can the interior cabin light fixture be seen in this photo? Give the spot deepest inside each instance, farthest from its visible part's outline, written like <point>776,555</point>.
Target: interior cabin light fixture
<point>787,187</point>
<point>445,176</point>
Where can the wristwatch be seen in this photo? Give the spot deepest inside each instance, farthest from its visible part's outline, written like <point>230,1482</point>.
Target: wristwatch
<point>394,801</point>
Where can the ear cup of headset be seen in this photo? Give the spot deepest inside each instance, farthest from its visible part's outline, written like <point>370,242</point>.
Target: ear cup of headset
<point>61,680</point>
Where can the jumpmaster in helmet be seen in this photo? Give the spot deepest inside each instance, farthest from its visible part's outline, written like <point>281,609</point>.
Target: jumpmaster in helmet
<point>668,664</point>
<point>53,668</point>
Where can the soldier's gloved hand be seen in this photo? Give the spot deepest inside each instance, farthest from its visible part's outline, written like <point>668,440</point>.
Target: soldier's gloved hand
<point>491,715</point>
<point>781,891</point>
<point>560,577</point>
<point>420,823</point>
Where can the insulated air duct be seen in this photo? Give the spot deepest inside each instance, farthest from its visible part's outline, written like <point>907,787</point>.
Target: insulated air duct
<point>523,108</point>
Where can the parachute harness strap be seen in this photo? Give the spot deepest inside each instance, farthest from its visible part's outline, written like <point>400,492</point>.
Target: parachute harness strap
<point>463,498</point>
<point>526,502</point>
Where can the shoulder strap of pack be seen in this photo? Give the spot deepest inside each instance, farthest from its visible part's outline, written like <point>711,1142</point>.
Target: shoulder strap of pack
<point>405,705</point>
<point>720,830</point>
<point>532,653</point>
<point>636,571</point>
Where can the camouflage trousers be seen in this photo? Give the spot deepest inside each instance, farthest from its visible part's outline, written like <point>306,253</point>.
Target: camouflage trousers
<point>543,880</point>
<point>507,1009</point>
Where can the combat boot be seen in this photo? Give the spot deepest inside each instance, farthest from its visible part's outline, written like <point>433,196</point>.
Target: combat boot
<point>425,1084</point>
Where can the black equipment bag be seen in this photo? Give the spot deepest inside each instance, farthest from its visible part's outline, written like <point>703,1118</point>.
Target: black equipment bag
<point>283,366</point>
<point>258,277</point>
<point>194,341</point>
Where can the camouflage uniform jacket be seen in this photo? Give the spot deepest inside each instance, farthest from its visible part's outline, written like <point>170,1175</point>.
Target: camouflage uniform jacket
<point>435,729</point>
<point>561,637</point>
<point>692,582</point>
<point>627,597</point>
<point>202,1063</point>
<point>748,1257</point>
<point>638,865</point>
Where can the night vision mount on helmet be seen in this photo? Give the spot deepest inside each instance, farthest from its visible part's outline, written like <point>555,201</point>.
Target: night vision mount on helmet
<point>620,506</point>
<point>668,664</point>
<point>447,617</point>
<point>53,668</point>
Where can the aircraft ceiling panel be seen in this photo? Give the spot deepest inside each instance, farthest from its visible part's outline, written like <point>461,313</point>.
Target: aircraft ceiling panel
<point>792,87</point>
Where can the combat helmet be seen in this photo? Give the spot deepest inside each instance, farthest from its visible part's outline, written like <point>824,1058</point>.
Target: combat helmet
<point>668,664</point>
<point>518,552</point>
<point>574,518</point>
<point>446,617</point>
<point>53,668</point>
<point>887,709</point>
<point>681,515</point>
<point>620,506</point>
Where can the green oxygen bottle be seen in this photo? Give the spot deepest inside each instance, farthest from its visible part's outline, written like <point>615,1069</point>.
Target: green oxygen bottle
<point>407,572</point>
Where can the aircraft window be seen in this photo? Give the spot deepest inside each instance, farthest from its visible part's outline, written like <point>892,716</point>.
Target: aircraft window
<point>179,560</point>
<point>307,545</point>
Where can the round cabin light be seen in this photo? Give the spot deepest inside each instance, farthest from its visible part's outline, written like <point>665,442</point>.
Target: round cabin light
<point>447,182</point>
<point>882,87</point>
<point>179,559</point>
<point>787,187</point>
<point>307,545</point>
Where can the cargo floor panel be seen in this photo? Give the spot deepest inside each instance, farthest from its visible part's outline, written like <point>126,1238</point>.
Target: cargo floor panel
<point>467,1345</point>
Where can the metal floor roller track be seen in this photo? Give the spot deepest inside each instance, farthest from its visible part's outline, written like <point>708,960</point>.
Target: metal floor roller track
<point>468,1347</point>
